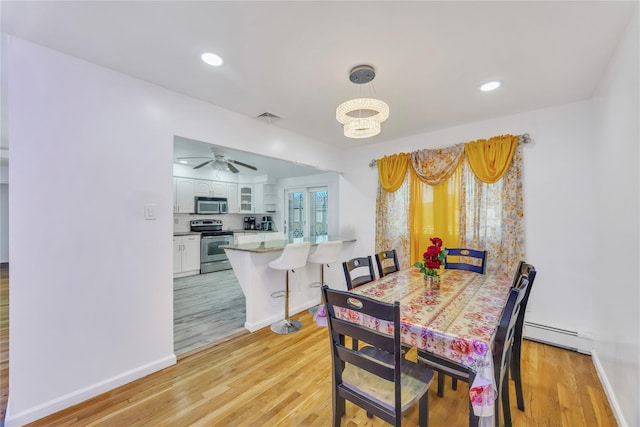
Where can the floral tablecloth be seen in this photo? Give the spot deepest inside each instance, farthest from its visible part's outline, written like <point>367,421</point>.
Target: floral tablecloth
<point>459,321</point>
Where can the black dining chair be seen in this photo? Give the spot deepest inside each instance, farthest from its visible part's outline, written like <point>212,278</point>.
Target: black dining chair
<point>466,259</point>
<point>501,358</point>
<point>377,377</point>
<point>387,262</point>
<point>528,272</point>
<point>358,271</point>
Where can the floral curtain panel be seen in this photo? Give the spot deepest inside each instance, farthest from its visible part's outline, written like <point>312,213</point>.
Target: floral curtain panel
<point>470,195</point>
<point>392,224</point>
<point>493,216</point>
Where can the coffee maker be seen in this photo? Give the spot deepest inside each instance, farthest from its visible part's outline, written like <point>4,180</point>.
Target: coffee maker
<point>267,223</point>
<point>249,222</point>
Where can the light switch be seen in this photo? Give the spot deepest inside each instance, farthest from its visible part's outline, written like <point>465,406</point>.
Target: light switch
<point>149,212</point>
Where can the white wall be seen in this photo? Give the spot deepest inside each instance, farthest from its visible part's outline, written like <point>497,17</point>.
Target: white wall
<point>558,196</point>
<point>91,291</point>
<point>4,222</point>
<point>617,194</point>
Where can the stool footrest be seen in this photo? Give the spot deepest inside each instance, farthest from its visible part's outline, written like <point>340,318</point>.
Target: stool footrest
<point>277,294</point>
<point>315,285</point>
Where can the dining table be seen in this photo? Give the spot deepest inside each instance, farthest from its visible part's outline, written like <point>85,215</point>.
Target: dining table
<point>458,321</point>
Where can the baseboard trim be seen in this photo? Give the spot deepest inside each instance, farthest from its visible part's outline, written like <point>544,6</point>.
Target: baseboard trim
<point>570,340</point>
<point>608,391</point>
<point>78,396</point>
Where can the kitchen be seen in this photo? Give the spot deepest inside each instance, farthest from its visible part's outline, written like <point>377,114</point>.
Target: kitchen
<point>213,205</point>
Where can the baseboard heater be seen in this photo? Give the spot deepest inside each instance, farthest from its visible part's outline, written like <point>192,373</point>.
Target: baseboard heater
<point>557,337</point>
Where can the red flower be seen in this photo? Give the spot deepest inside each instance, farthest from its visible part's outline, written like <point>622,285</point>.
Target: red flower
<point>432,263</point>
<point>432,251</point>
<point>437,242</point>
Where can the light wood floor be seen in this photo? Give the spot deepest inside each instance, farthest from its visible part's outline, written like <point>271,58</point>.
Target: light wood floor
<point>264,379</point>
<point>206,308</point>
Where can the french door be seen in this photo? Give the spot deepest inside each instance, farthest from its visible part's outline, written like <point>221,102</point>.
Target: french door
<point>307,210</point>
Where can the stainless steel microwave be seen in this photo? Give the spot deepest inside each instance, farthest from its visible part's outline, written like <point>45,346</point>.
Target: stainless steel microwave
<point>211,205</point>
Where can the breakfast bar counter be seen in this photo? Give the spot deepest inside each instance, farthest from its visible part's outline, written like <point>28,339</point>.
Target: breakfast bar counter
<point>250,263</point>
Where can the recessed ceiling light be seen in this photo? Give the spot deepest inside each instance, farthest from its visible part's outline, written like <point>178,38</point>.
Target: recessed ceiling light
<point>490,86</point>
<point>183,162</point>
<point>212,59</point>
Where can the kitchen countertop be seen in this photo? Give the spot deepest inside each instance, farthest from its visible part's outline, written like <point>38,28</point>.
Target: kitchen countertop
<point>278,245</point>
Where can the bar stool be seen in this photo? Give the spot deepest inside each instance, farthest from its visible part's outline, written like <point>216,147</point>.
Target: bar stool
<point>294,255</point>
<point>325,254</point>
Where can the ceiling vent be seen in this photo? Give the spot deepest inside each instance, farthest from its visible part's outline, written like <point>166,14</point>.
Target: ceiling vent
<point>268,117</point>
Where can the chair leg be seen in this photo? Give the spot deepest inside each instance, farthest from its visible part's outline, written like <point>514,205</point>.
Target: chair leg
<point>423,410</point>
<point>506,405</point>
<point>454,383</point>
<point>516,373</point>
<point>440,384</point>
<point>338,410</point>
<point>473,419</point>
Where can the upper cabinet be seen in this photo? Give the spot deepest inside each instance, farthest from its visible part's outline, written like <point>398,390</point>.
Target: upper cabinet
<point>260,198</point>
<point>203,188</point>
<point>206,188</point>
<point>183,195</point>
<point>245,199</point>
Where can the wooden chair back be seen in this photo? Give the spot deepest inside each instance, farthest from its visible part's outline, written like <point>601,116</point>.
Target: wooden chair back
<point>466,259</point>
<point>358,271</point>
<point>375,377</point>
<point>387,262</point>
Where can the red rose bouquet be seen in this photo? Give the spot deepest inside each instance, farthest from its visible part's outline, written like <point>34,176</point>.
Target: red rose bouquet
<point>433,258</point>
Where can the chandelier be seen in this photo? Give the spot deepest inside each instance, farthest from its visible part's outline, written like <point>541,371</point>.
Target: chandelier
<point>361,117</point>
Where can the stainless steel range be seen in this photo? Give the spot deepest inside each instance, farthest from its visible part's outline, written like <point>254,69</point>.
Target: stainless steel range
<point>212,256</point>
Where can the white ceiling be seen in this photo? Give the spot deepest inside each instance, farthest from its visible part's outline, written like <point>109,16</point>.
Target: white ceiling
<point>292,59</point>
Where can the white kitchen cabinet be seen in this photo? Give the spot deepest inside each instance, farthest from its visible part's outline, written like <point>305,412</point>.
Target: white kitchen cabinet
<point>245,199</point>
<point>207,188</point>
<point>220,189</point>
<point>186,255</point>
<point>183,195</point>
<point>203,188</point>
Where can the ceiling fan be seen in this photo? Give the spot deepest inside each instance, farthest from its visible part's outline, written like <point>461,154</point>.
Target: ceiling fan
<point>220,162</point>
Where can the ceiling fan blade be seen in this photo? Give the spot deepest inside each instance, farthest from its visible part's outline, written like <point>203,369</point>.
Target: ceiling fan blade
<point>203,164</point>
<point>199,157</point>
<point>232,168</point>
<point>243,164</point>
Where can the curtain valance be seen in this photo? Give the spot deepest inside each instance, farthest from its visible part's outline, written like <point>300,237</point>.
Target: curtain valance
<point>392,170</point>
<point>489,160</point>
<point>435,166</point>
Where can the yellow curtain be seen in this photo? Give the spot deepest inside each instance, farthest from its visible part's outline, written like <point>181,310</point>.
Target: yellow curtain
<point>435,208</point>
<point>392,171</point>
<point>490,159</point>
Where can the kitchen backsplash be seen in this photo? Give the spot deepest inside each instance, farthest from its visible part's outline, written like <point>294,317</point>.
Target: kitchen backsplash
<point>181,222</point>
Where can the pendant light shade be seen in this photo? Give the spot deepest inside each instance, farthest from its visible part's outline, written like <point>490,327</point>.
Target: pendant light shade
<point>361,117</point>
